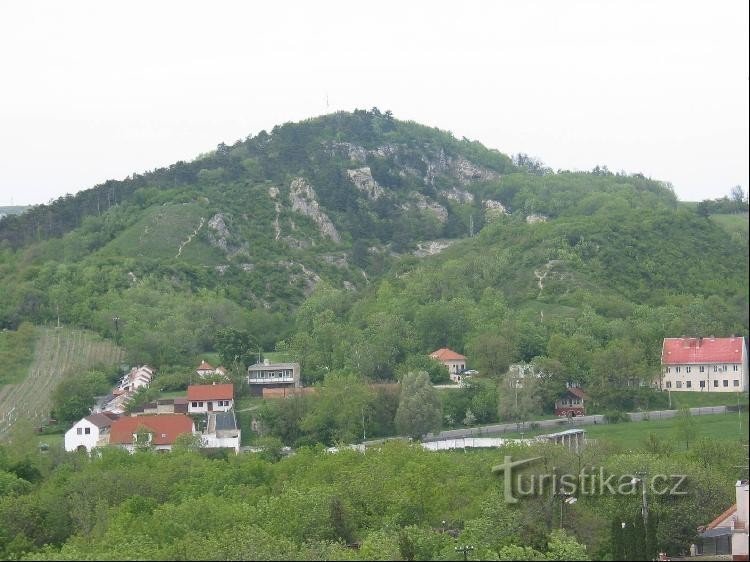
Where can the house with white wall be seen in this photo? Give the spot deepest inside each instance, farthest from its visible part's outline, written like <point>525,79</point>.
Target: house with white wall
<point>222,432</point>
<point>704,364</point>
<point>158,432</point>
<point>204,398</point>
<point>89,432</point>
<point>207,370</point>
<point>138,377</point>
<point>727,535</point>
<point>455,362</point>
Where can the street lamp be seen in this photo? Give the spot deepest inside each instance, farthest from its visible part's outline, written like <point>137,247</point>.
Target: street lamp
<point>116,320</point>
<point>465,549</point>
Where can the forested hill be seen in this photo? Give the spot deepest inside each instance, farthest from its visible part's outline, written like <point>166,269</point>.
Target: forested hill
<point>340,214</point>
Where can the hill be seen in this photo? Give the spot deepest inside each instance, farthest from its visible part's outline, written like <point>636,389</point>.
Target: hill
<point>356,240</point>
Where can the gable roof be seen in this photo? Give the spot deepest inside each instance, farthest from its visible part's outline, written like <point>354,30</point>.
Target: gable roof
<point>102,420</point>
<point>678,351</point>
<point>210,392</point>
<point>577,392</point>
<point>204,367</point>
<point>445,354</point>
<point>165,428</point>
<point>723,518</point>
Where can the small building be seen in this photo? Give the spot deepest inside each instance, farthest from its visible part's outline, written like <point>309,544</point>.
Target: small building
<point>138,377</point>
<point>455,362</point>
<point>268,375</point>
<point>89,432</point>
<point>727,535</point>
<point>162,406</point>
<point>207,370</point>
<point>571,403</point>
<point>222,432</point>
<point>159,432</point>
<point>204,398</point>
<point>704,364</point>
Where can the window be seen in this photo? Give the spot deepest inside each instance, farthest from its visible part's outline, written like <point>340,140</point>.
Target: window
<point>735,368</point>
<point>194,404</point>
<point>702,369</point>
<point>669,384</point>
<point>679,384</point>
<point>736,382</point>
<point>87,431</point>
<point>716,383</point>
<point>669,369</point>
<point>703,384</point>
<point>79,431</point>
<point>716,368</point>
<point>687,369</point>
<point>677,369</point>
<point>726,382</point>
<point>689,384</point>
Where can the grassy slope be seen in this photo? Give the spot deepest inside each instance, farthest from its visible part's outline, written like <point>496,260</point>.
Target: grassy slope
<point>59,352</point>
<point>735,223</point>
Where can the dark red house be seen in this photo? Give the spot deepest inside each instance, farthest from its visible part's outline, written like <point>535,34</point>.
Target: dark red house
<point>571,403</point>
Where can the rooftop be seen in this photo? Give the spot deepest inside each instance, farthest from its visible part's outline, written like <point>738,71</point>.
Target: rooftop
<point>678,351</point>
<point>210,392</point>
<point>165,428</point>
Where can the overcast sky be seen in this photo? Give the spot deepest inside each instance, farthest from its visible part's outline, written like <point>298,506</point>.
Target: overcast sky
<point>96,90</point>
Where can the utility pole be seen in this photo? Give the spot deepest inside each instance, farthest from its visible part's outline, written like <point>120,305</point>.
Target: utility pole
<point>116,320</point>
<point>643,476</point>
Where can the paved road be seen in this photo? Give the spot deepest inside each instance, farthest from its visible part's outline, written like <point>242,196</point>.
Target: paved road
<point>561,424</point>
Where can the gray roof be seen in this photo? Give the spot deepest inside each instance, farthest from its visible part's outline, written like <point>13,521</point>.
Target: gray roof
<point>225,420</point>
<point>717,532</point>
<point>100,420</point>
<point>263,366</point>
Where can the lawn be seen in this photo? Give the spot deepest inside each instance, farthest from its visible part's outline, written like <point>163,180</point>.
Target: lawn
<point>697,399</point>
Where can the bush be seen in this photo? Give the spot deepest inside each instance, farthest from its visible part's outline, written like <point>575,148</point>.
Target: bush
<point>615,416</point>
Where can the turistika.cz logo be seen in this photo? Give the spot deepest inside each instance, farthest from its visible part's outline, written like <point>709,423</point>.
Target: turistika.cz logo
<point>589,482</point>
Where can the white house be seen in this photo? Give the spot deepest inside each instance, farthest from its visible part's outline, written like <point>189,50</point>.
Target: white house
<point>204,398</point>
<point>206,370</point>
<point>138,377</point>
<point>222,432</point>
<point>158,432</point>
<point>89,432</point>
<point>268,375</point>
<point>704,364</point>
<point>727,535</point>
<point>455,362</point>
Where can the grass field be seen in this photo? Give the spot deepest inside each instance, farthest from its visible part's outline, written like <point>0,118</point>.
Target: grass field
<point>697,399</point>
<point>58,353</point>
<point>735,223</point>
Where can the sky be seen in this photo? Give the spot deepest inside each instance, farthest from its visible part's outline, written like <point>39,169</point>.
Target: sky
<point>95,90</point>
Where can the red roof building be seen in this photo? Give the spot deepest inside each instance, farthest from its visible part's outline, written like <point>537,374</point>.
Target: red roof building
<point>571,404</point>
<point>163,430</point>
<point>204,398</point>
<point>704,364</point>
<point>455,362</point>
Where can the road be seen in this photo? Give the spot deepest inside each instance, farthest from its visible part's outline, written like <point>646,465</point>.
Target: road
<point>562,423</point>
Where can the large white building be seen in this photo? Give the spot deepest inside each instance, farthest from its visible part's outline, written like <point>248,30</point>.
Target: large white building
<point>704,364</point>
<point>89,432</point>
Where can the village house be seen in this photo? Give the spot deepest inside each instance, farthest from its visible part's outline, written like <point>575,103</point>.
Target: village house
<point>206,370</point>
<point>138,377</point>
<point>704,364</point>
<point>158,432</point>
<point>89,432</point>
<point>728,533</point>
<point>571,403</point>
<point>268,375</point>
<point>455,362</point>
<point>162,406</point>
<point>204,398</point>
<point>222,432</point>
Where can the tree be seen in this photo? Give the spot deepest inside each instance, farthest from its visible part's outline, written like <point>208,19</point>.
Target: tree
<point>419,409</point>
<point>686,426</point>
<point>74,397</point>
<point>519,397</point>
<point>493,353</point>
<point>738,196</point>
<point>236,345</point>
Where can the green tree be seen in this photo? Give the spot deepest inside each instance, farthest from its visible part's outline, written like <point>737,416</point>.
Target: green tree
<point>686,427</point>
<point>74,397</point>
<point>419,409</point>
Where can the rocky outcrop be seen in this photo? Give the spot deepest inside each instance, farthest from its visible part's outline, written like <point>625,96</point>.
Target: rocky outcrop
<point>424,204</point>
<point>467,172</point>
<point>431,248</point>
<point>218,232</point>
<point>493,209</point>
<point>302,198</point>
<point>459,195</point>
<point>363,180</point>
<point>351,151</point>
<point>531,219</point>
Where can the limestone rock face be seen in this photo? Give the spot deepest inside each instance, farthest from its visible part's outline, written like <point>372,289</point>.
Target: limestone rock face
<point>456,194</point>
<point>493,209</point>
<point>531,219</point>
<point>468,172</point>
<point>303,200</point>
<point>424,204</point>
<point>363,180</point>
<point>218,231</point>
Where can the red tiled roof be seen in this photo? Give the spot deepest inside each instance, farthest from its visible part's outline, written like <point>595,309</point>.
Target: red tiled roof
<point>210,392</point>
<point>165,428</point>
<point>577,392</point>
<point>678,351</point>
<point>204,367</point>
<point>715,523</point>
<point>445,354</point>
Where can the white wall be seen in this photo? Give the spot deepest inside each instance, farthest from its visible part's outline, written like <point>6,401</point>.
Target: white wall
<point>73,440</point>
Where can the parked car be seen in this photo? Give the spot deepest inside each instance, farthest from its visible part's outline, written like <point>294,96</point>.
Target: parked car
<point>469,372</point>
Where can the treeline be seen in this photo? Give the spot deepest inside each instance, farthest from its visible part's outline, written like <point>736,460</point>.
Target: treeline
<point>394,502</point>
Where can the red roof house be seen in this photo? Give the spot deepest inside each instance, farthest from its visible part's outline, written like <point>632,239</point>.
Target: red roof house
<point>163,429</point>
<point>455,362</point>
<point>571,403</point>
<point>704,364</point>
<point>203,398</point>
